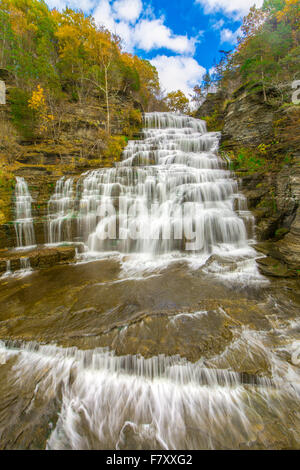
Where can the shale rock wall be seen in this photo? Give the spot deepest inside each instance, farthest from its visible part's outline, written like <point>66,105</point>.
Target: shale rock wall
<point>273,195</point>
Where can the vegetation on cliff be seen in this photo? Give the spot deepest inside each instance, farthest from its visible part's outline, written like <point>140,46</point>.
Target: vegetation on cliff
<point>55,62</point>
<point>262,70</point>
<point>268,51</point>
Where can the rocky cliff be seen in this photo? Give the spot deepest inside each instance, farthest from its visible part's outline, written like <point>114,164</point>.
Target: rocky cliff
<point>262,140</point>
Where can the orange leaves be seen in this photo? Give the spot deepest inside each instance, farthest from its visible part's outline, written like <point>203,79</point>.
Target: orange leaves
<point>18,21</point>
<point>128,60</point>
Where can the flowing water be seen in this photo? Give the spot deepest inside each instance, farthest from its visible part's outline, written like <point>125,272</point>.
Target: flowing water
<point>163,335</point>
<point>171,197</point>
<point>23,220</point>
<point>60,211</point>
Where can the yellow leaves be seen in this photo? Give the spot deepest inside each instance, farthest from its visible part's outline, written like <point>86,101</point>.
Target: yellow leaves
<point>149,81</point>
<point>37,101</point>
<point>291,2</point>
<point>38,104</point>
<point>127,60</point>
<point>101,47</point>
<point>290,12</point>
<point>73,33</point>
<point>56,15</point>
<point>18,21</point>
<point>177,101</point>
<point>263,148</point>
<point>115,147</point>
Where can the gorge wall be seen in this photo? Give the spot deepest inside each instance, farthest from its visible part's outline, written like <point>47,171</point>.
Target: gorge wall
<point>262,140</point>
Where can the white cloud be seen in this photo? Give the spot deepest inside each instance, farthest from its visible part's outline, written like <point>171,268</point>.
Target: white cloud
<point>103,15</point>
<point>153,34</point>
<point>218,24</point>
<point>231,8</point>
<point>226,35</point>
<point>178,72</point>
<point>128,10</point>
<point>84,5</point>
<point>135,22</point>
<point>125,18</point>
<point>124,30</point>
<point>212,71</point>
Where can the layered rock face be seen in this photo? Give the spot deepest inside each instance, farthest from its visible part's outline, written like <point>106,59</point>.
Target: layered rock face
<point>273,195</point>
<point>248,121</point>
<point>274,200</point>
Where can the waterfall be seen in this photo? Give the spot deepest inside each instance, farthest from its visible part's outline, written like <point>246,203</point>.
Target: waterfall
<point>60,211</point>
<point>25,265</point>
<point>171,193</point>
<point>23,218</point>
<point>8,271</point>
<point>128,402</point>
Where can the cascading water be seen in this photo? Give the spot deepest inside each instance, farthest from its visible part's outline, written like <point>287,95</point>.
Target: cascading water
<point>23,219</point>
<point>60,210</point>
<point>108,368</point>
<point>129,402</point>
<point>171,194</point>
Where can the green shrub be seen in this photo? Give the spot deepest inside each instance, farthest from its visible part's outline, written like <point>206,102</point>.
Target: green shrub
<point>23,118</point>
<point>213,122</point>
<point>246,159</point>
<point>281,232</point>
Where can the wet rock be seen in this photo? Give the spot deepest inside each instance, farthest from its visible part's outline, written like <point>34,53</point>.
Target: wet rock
<point>282,259</point>
<point>38,258</point>
<point>273,267</point>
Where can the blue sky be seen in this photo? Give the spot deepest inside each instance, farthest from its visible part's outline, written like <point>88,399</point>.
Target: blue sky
<point>180,37</point>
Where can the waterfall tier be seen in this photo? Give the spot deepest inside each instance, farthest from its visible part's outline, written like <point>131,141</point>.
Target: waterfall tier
<point>128,402</point>
<point>23,218</point>
<point>172,192</point>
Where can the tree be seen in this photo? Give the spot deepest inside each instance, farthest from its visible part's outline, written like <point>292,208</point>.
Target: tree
<point>31,51</point>
<point>130,76</point>
<point>71,59</point>
<point>198,95</point>
<point>38,104</point>
<point>149,83</point>
<point>207,81</point>
<point>73,33</point>
<point>177,102</point>
<point>104,49</point>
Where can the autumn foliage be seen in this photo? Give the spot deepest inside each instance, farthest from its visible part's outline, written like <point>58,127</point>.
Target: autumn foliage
<point>56,57</point>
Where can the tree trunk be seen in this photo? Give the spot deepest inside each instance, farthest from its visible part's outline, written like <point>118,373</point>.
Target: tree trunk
<point>107,102</point>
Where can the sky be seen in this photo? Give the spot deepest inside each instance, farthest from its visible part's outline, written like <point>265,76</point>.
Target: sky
<point>182,38</point>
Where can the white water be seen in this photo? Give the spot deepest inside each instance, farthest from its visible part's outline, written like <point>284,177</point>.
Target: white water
<point>60,211</point>
<point>23,218</point>
<point>171,196</point>
<point>24,270</point>
<point>8,271</point>
<point>164,402</point>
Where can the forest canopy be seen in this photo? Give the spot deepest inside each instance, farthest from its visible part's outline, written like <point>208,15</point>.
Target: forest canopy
<point>267,55</point>
<point>56,56</point>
